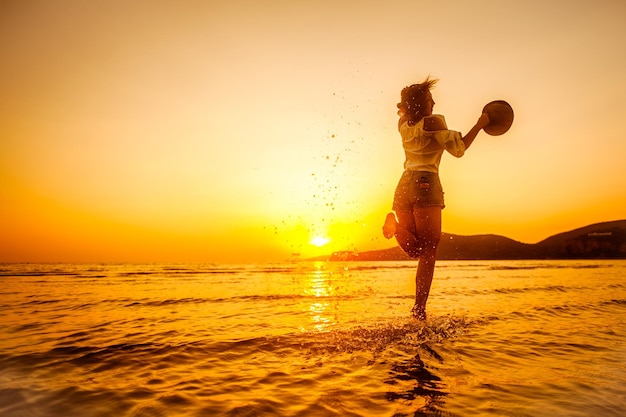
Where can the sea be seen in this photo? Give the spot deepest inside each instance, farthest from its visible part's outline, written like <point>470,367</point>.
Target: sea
<point>502,338</point>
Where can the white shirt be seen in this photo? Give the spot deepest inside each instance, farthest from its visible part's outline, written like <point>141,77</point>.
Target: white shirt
<point>423,149</point>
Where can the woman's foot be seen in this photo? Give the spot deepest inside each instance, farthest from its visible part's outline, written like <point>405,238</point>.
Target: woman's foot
<point>418,312</point>
<point>390,226</point>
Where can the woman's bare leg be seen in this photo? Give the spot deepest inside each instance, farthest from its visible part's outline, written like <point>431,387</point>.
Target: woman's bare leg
<point>428,232</point>
<point>418,233</point>
<point>407,235</point>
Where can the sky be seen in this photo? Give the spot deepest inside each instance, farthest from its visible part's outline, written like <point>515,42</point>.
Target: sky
<point>266,130</point>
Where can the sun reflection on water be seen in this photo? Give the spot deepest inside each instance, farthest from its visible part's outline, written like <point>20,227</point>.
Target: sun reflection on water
<point>321,287</point>
<point>321,321</point>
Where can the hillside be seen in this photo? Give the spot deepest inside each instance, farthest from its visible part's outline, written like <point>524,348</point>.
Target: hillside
<point>601,240</point>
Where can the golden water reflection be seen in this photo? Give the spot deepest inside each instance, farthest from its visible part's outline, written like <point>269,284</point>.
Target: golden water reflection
<point>323,308</point>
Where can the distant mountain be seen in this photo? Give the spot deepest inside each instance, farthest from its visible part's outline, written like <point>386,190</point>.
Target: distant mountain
<point>601,240</point>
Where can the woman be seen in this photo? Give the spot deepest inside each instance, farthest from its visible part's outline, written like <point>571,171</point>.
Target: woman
<point>418,199</point>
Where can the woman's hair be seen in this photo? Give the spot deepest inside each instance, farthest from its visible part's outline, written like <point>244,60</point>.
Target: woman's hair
<point>413,101</point>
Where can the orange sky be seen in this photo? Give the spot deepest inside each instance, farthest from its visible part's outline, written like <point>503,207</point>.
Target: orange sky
<point>238,131</point>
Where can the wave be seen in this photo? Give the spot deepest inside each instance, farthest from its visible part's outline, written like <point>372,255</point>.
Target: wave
<point>560,265</point>
<point>374,339</point>
<point>164,270</point>
<point>520,290</point>
<point>162,370</point>
<point>70,305</point>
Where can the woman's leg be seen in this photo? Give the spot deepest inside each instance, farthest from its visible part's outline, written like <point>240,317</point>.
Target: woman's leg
<point>428,231</point>
<point>406,234</point>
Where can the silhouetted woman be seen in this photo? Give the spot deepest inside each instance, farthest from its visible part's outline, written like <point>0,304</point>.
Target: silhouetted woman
<point>418,199</point>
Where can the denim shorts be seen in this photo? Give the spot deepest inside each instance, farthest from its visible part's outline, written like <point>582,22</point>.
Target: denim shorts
<point>418,189</point>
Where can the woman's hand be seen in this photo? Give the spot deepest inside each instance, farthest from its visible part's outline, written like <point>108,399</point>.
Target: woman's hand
<point>482,121</point>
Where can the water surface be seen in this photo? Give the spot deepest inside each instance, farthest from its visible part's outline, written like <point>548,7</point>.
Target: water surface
<point>521,338</point>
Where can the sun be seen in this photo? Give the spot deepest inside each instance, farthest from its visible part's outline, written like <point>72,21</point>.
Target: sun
<point>319,241</point>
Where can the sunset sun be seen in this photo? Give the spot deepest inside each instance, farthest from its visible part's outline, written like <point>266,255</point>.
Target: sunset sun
<point>319,241</point>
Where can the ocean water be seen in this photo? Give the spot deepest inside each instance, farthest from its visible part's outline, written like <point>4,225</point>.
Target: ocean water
<point>518,338</point>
